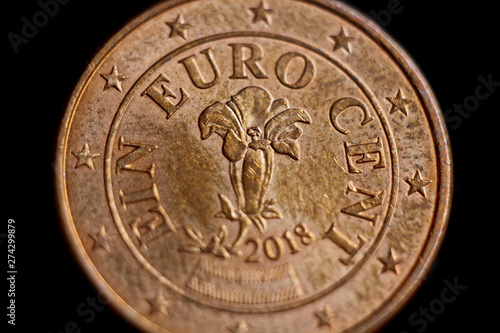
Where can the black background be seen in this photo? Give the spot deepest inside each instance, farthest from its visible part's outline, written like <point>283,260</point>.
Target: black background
<point>453,44</point>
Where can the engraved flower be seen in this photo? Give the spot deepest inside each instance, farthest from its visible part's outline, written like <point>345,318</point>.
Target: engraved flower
<point>253,126</point>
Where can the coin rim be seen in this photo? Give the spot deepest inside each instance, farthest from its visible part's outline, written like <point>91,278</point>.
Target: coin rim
<point>393,304</point>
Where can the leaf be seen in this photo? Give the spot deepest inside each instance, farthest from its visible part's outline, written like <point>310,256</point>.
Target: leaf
<point>221,252</point>
<point>269,202</point>
<point>271,213</point>
<point>222,233</point>
<point>194,234</point>
<point>189,248</point>
<point>288,147</point>
<point>259,222</point>
<point>227,207</point>
<point>232,250</point>
<point>213,244</point>
<point>233,148</point>
<point>277,124</point>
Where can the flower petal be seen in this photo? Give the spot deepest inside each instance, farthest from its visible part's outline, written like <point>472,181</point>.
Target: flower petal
<point>288,147</point>
<point>254,104</point>
<point>255,169</point>
<point>233,148</point>
<point>279,105</point>
<point>219,118</point>
<point>292,132</point>
<point>277,124</point>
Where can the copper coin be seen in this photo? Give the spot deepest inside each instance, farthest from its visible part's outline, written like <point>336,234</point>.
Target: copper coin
<point>254,166</point>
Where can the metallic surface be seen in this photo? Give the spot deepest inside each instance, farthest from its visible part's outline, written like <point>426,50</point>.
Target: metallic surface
<point>229,166</point>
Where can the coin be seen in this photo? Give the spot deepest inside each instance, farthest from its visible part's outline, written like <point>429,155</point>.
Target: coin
<point>259,166</point>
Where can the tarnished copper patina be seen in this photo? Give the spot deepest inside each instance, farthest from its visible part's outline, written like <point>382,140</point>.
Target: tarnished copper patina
<point>254,166</point>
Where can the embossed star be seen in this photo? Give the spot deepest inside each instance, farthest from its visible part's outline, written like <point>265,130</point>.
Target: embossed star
<point>390,262</point>
<point>325,316</point>
<point>114,79</point>
<point>160,304</point>
<point>399,103</point>
<point>179,27</point>
<point>242,327</point>
<point>101,239</point>
<point>262,13</point>
<point>342,41</point>
<point>417,184</point>
<point>85,157</point>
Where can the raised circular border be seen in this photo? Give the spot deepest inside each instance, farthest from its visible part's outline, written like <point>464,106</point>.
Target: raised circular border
<point>445,180</point>
<point>134,90</point>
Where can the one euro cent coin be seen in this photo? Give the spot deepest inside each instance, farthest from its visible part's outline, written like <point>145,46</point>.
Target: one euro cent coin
<point>254,166</point>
